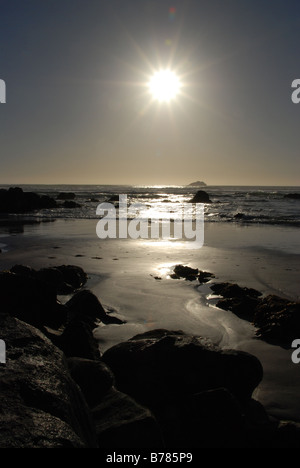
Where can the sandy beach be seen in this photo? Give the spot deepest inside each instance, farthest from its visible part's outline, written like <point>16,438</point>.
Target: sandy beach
<point>131,277</point>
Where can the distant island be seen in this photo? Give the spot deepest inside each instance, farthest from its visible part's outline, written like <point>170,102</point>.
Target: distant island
<point>199,183</point>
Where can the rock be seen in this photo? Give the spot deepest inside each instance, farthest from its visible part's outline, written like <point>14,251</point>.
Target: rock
<point>66,196</point>
<point>205,276</point>
<point>93,377</point>
<point>113,198</point>
<point>86,305</point>
<point>242,307</point>
<point>287,435</point>
<point>40,405</point>
<point>123,423</point>
<point>277,319</point>
<point>73,275</point>
<point>208,419</point>
<point>77,340</point>
<point>186,272</point>
<point>200,197</point>
<point>161,365</point>
<point>234,290</point>
<point>199,183</point>
<point>28,298</point>
<point>70,204</point>
<point>294,196</point>
<point>240,301</point>
<point>14,200</point>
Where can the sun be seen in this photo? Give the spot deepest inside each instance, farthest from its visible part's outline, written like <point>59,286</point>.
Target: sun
<point>164,85</point>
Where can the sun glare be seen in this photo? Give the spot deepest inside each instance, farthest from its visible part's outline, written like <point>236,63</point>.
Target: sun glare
<point>164,85</point>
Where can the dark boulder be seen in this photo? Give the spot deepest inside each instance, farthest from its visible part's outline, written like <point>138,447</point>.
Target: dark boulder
<point>73,275</point>
<point>66,196</point>
<point>40,405</point>
<point>293,196</point>
<point>122,422</point>
<point>77,340</point>
<point>161,365</point>
<point>93,377</point>
<point>14,200</point>
<point>277,320</point>
<point>200,197</point>
<point>181,271</point>
<point>241,301</point>
<point>86,305</point>
<point>70,204</point>
<point>27,298</point>
<point>213,418</point>
<point>234,290</point>
<point>205,276</point>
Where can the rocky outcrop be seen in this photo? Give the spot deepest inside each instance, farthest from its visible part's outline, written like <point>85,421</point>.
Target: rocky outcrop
<point>191,274</point>
<point>70,204</point>
<point>277,319</point>
<point>14,200</point>
<point>41,406</point>
<point>66,196</point>
<point>293,196</point>
<point>200,197</point>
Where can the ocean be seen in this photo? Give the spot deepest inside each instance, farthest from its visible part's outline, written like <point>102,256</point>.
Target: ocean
<point>230,204</point>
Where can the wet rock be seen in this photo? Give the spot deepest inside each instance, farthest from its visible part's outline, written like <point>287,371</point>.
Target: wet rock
<point>241,301</point>
<point>122,422</point>
<point>70,204</point>
<point>200,197</point>
<point>86,305</point>
<point>208,419</point>
<point>27,298</point>
<point>40,405</point>
<point>93,377</point>
<point>14,200</point>
<point>161,365</point>
<point>205,276</point>
<point>77,340</point>
<point>73,275</point>
<point>278,320</point>
<point>186,272</point>
<point>293,196</point>
<point>66,196</point>
<point>234,290</point>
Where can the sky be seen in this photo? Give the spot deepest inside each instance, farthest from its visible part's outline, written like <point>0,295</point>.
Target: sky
<point>78,108</point>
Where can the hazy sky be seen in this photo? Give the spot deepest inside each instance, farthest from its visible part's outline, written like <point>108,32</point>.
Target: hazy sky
<point>78,108</point>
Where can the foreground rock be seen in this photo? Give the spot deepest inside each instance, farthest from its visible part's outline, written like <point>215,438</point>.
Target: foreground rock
<point>161,365</point>
<point>40,405</point>
<point>14,200</point>
<point>121,422</point>
<point>199,394</point>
